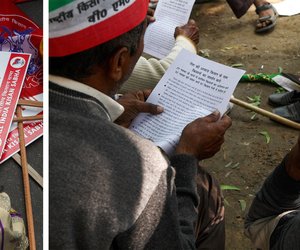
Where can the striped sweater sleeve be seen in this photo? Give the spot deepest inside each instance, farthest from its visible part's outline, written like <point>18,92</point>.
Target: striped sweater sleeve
<point>148,72</point>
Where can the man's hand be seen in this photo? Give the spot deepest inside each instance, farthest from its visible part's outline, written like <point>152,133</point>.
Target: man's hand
<point>204,136</point>
<point>134,103</point>
<point>189,30</point>
<point>150,16</point>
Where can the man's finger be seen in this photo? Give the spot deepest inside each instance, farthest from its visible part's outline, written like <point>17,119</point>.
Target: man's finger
<point>150,12</point>
<point>140,95</point>
<point>226,120</point>
<point>147,92</point>
<point>213,117</point>
<point>150,108</point>
<point>192,21</point>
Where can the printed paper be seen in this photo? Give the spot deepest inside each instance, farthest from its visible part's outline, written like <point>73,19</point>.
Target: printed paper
<point>192,87</point>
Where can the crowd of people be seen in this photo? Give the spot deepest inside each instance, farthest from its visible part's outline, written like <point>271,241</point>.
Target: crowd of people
<point>111,189</point>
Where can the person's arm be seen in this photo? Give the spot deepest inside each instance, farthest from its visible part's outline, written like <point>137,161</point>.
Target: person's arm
<point>187,197</point>
<point>148,72</point>
<point>279,194</point>
<point>281,190</point>
<point>168,221</point>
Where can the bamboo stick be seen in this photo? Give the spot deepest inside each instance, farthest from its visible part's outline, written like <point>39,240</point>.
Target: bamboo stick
<point>266,113</point>
<point>32,172</point>
<point>30,103</point>
<point>28,118</point>
<point>28,204</point>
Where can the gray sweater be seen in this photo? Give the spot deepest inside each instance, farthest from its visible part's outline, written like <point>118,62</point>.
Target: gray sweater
<point>111,189</point>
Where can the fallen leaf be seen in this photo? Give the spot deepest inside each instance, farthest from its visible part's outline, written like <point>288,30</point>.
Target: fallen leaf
<point>280,90</point>
<point>237,65</point>
<point>227,174</point>
<point>228,164</point>
<point>235,165</point>
<point>226,202</point>
<point>204,52</point>
<point>253,117</point>
<point>266,135</point>
<point>255,100</point>
<point>242,204</point>
<point>229,187</point>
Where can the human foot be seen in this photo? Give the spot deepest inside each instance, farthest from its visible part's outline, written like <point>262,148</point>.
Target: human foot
<point>267,16</point>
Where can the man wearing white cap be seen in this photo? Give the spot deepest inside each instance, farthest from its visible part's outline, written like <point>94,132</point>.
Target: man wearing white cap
<point>109,188</point>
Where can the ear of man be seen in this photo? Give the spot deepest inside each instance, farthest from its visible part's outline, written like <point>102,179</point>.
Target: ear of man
<point>118,64</point>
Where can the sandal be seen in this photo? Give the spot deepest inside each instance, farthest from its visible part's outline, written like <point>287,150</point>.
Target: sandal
<point>271,18</point>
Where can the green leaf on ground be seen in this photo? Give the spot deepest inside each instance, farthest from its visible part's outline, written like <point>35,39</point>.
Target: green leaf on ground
<point>228,164</point>
<point>226,202</point>
<point>237,65</point>
<point>266,135</point>
<point>243,204</point>
<point>229,187</point>
<point>204,52</point>
<point>235,165</point>
<point>280,90</point>
<point>253,116</point>
<point>255,100</point>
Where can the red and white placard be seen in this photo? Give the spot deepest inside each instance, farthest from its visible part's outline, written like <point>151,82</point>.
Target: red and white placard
<point>13,68</point>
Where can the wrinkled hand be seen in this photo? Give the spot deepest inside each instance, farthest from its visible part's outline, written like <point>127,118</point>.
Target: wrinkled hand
<point>189,30</point>
<point>134,103</point>
<point>204,136</point>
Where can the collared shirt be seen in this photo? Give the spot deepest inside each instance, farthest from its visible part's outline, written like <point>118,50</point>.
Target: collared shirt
<point>114,109</point>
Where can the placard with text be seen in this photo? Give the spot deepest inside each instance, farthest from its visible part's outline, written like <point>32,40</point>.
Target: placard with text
<point>13,68</point>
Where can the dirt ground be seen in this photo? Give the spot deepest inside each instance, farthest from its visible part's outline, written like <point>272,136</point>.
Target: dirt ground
<point>246,159</point>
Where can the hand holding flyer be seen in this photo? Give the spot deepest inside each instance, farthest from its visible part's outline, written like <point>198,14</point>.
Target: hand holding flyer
<point>192,87</point>
<point>159,36</point>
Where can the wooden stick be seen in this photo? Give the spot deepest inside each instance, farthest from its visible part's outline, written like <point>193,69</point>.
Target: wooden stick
<point>34,174</point>
<point>266,113</point>
<point>28,205</point>
<point>30,103</point>
<point>28,118</point>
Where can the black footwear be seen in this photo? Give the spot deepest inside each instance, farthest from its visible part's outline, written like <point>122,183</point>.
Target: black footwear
<point>291,112</point>
<point>284,99</point>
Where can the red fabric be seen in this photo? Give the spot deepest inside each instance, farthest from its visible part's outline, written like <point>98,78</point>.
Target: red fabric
<point>101,32</point>
<point>9,7</point>
<point>21,1</point>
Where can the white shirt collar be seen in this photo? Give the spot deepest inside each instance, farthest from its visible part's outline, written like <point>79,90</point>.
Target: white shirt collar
<point>114,109</point>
